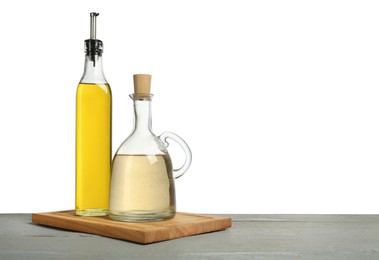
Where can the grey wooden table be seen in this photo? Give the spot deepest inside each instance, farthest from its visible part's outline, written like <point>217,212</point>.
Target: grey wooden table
<point>251,237</point>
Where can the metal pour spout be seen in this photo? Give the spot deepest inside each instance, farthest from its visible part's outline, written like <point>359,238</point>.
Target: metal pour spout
<point>93,25</point>
<point>93,46</point>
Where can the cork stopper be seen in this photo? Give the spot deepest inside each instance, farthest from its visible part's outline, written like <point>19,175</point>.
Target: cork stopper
<point>142,83</point>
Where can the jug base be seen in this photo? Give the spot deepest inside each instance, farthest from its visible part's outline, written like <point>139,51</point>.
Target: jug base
<point>141,215</point>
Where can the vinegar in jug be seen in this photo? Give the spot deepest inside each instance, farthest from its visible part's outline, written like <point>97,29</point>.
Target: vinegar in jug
<point>142,180</point>
<point>142,184</point>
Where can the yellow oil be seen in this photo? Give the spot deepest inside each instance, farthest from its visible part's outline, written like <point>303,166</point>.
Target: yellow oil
<point>93,149</point>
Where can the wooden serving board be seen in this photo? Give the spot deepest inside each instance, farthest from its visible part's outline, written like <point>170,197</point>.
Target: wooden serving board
<point>184,224</point>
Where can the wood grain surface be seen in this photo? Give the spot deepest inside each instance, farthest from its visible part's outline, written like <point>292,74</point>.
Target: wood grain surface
<point>184,224</point>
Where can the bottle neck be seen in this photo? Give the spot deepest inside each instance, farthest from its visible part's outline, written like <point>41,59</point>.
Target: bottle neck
<point>142,116</point>
<point>93,70</point>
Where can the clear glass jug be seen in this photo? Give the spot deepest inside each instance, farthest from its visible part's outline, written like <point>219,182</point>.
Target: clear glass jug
<point>142,180</point>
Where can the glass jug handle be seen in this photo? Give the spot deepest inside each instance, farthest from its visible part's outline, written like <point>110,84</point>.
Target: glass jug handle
<point>178,172</point>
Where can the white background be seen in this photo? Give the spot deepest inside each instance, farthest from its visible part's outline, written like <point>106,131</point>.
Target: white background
<point>278,100</point>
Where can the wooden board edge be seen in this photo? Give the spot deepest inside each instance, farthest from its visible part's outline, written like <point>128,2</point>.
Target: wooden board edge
<point>189,229</point>
<point>60,220</point>
<point>76,224</point>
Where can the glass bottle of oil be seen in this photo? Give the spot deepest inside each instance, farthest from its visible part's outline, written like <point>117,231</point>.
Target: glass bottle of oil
<point>142,179</point>
<point>93,132</point>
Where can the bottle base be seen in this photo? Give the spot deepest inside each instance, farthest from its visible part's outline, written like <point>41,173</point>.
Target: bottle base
<point>141,215</point>
<point>91,212</point>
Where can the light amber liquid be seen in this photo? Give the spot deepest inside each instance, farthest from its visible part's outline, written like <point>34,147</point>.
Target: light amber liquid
<point>93,149</point>
<point>142,188</point>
